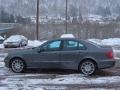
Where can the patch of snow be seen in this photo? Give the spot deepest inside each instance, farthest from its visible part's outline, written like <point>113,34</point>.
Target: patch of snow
<point>2,64</point>
<point>1,38</point>
<point>3,88</point>
<point>67,36</point>
<point>68,79</point>
<point>35,43</point>
<point>111,41</point>
<point>1,46</point>
<point>93,17</point>
<point>76,80</point>
<point>107,42</point>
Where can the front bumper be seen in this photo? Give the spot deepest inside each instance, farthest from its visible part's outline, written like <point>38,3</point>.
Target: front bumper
<point>7,62</point>
<point>11,46</point>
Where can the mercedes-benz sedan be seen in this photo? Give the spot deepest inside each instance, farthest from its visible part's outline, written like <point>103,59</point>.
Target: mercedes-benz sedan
<point>62,53</point>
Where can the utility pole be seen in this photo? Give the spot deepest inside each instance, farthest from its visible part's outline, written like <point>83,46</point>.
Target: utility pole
<point>37,21</point>
<point>66,29</point>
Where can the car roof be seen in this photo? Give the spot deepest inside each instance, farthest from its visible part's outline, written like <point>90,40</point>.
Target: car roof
<point>68,39</point>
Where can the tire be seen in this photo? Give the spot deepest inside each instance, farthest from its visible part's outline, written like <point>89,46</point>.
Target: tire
<point>87,67</point>
<point>25,44</point>
<point>17,65</point>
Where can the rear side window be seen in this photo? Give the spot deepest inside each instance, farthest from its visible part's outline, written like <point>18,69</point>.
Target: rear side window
<point>70,45</point>
<point>73,45</point>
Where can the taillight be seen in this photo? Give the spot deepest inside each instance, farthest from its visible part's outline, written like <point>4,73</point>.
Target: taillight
<point>110,55</point>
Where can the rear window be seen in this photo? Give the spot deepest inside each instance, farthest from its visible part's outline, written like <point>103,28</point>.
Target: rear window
<point>95,44</point>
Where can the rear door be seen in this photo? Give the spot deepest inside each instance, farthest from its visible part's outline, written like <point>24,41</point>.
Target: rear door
<point>71,53</point>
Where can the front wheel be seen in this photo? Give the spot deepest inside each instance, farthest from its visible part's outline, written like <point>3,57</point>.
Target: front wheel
<point>87,67</point>
<point>17,65</point>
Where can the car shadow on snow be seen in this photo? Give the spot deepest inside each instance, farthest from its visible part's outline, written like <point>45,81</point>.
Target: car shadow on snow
<point>99,73</point>
<point>51,71</point>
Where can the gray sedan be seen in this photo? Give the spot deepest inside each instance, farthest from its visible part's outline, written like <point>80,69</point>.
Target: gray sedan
<point>63,53</point>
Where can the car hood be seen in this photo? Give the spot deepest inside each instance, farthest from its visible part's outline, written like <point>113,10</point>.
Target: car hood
<point>12,40</point>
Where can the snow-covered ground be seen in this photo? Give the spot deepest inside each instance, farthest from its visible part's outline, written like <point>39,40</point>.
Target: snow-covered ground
<point>13,81</point>
<point>1,46</point>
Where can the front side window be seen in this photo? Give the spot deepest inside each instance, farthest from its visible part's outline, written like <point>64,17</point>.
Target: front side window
<point>55,45</point>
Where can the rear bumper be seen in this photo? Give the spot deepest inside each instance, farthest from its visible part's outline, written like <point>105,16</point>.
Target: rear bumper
<point>106,64</point>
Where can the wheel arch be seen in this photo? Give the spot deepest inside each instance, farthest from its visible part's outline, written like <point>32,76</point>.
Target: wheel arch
<point>17,58</point>
<point>88,59</point>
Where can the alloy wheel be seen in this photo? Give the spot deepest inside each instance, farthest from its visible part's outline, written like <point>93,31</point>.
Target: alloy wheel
<point>17,65</point>
<point>88,68</point>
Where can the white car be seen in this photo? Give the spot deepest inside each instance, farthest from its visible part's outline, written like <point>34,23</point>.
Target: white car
<point>15,41</point>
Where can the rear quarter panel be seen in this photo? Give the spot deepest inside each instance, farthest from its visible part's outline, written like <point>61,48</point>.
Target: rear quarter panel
<point>98,52</point>
<point>99,55</point>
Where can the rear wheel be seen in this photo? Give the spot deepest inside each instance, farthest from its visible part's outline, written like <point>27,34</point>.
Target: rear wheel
<point>87,67</point>
<point>17,65</point>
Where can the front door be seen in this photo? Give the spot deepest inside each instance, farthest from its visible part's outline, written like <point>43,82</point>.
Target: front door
<point>49,57</point>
